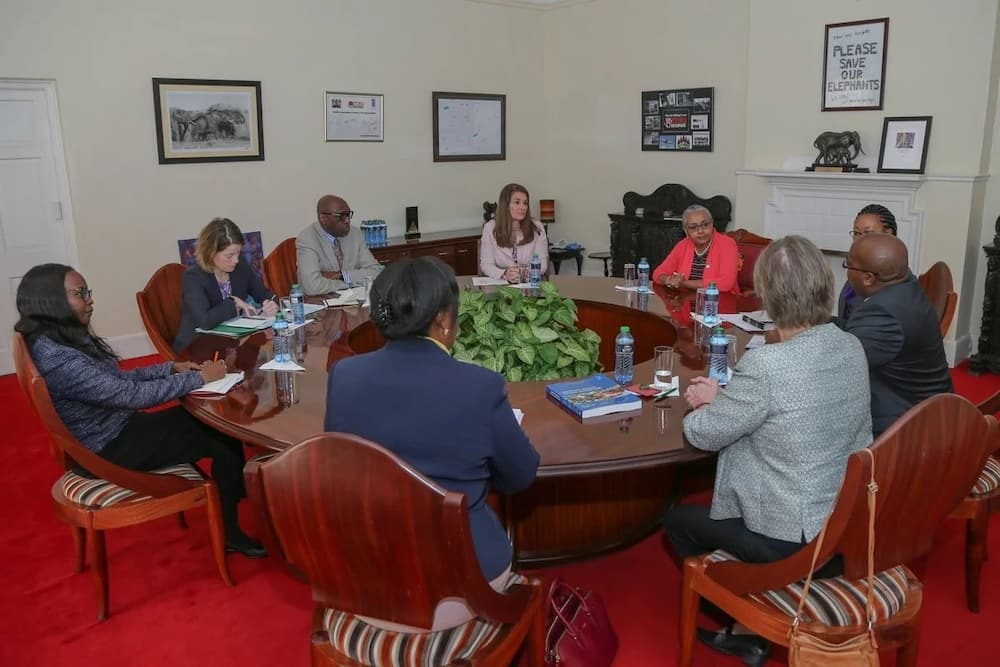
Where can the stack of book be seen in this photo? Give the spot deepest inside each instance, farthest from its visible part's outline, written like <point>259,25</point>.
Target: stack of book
<point>594,396</point>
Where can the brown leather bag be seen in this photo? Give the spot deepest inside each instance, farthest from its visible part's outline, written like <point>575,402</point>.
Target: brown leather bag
<point>578,631</point>
<point>806,650</point>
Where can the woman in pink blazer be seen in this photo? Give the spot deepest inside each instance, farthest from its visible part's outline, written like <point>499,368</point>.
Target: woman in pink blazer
<point>703,257</point>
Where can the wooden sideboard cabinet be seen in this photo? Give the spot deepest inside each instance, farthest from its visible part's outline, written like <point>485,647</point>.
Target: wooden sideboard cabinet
<point>459,248</point>
<point>655,232</point>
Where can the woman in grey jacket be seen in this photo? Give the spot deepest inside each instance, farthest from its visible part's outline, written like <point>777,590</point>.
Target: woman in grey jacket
<point>100,404</point>
<point>784,426</point>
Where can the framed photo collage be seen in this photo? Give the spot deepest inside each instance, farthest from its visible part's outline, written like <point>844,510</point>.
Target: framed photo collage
<point>678,120</point>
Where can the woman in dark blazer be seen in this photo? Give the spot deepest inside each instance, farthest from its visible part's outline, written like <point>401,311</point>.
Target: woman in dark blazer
<point>448,419</point>
<point>872,219</point>
<point>219,287</point>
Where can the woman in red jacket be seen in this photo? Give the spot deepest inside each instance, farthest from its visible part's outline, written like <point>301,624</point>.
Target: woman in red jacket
<point>703,257</point>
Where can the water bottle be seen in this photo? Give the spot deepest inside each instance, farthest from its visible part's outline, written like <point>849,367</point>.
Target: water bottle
<point>297,299</point>
<point>535,271</point>
<point>718,356</point>
<point>282,349</point>
<point>643,270</point>
<point>624,347</point>
<point>711,314</point>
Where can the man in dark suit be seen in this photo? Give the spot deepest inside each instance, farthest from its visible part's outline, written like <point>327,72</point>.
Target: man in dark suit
<point>898,328</point>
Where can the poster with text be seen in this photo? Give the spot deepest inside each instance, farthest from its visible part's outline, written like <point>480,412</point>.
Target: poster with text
<point>854,65</point>
<point>677,113</point>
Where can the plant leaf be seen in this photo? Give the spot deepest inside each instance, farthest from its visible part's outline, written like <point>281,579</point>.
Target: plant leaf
<point>544,334</point>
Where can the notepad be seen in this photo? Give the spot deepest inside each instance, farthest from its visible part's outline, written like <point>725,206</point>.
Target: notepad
<point>220,386</point>
<point>348,297</point>
<point>238,327</point>
<point>486,281</point>
<point>281,366</point>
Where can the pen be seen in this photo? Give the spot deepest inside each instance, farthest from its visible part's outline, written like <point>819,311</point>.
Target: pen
<point>216,357</point>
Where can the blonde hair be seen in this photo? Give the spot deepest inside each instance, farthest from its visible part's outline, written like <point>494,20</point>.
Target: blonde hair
<point>794,282</point>
<point>216,237</point>
<point>503,229</point>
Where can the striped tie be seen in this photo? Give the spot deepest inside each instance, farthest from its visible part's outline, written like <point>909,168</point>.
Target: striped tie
<point>339,252</point>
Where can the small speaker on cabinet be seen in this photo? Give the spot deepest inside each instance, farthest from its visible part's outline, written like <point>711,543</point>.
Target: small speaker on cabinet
<point>412,224</point>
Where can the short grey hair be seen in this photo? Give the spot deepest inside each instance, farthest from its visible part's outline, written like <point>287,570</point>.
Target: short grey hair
<point>794,282</point>
<point>696,208</point>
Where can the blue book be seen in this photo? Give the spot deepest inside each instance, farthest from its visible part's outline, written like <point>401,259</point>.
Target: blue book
<point>594,396</point>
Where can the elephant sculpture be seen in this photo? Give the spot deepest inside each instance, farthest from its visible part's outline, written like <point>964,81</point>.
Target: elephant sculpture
<point>837,148</point>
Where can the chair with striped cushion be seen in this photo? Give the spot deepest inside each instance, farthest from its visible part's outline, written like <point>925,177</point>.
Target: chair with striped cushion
<point>117,496</point>
<point>374,538</point>
<point>924,465</point>
<point>976,508</point>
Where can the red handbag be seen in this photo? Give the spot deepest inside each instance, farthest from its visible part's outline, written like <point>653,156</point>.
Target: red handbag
<point>578,632</point>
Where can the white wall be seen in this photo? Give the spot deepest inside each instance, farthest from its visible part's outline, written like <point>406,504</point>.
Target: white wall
<point>129,210</point>
<point>598,58</point>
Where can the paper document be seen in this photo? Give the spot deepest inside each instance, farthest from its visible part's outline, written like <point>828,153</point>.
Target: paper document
<point>622,288</point>
<point>349,297</point>
<point>755,341</point>
<point>221,386</point>
<point>485,281</point>
<point>518,415</point>
<point>252,323</point>
<point>281,366</point>
<point>738,321</point>
<point>310,308</point>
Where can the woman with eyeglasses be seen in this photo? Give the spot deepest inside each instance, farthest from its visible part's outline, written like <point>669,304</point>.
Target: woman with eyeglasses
<point>701,258</point>
<point>101,404</point>
<point>219,286</point>
<point>511,238</point>
<point>872,219</point>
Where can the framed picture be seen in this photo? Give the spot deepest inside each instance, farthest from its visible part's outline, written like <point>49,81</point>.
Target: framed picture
<point>207,120</point>
<point>670,118</point>
<point>353,117</point>
<point>854,65</point>
<point>469,126</point>
<point>904,144</point>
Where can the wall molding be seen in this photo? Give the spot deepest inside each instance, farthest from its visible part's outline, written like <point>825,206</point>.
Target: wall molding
<point>886,180</point>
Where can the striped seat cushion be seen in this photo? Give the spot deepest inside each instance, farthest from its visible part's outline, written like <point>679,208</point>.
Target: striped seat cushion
<point>989,478</point>
<point>101,493</point>
<point>836,601</point>
<point>374,646</point>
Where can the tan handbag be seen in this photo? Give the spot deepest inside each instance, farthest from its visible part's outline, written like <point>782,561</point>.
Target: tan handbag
<point>807,650</point>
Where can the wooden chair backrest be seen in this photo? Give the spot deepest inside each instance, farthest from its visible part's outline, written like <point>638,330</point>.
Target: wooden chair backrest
<point>370,534</point>
<point>750,247</point>
<point>281,268</point>
<point>925,465</point>
<point>160,307</point>
<point>940,290</point>
<point>147,484</point>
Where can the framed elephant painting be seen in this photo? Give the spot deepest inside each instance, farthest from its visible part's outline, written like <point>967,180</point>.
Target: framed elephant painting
<point>207,120</point>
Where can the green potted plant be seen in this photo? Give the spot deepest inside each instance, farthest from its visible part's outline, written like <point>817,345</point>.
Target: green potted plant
<point>525,337</point>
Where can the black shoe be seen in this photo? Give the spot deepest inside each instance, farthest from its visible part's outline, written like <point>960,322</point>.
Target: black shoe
<point>244,545</point>
<point>752,649</point>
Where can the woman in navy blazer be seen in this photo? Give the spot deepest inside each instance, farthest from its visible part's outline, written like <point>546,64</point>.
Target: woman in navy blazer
<point>449,419</point>
<point>218,287</point>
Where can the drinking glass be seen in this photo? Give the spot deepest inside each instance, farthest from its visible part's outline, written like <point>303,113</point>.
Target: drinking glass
<point>286,307</point>
<point>630,276</point>
<point>368,287</point>
<point>663,366</point>
<point>699,302</point>
<point>525,274</point>
<point>731,349</point>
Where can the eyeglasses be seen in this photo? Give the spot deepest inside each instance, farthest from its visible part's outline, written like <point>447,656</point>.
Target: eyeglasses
<point>875,274</point>
<point>858,235</point>
<point>341,214</point>
<point>82,292</point>
<point>698,227</point>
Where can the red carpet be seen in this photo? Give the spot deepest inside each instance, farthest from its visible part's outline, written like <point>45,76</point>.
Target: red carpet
<point>169,607</point>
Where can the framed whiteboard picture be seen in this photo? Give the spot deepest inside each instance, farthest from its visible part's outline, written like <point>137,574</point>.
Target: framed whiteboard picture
<point>854,65</point>
<point>469,126</point>
<point>353,117</point>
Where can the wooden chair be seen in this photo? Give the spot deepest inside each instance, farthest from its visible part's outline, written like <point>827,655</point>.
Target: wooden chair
<point>118,496</point>
<point>372,536</point>
<point>937,284</point>
<point>976,508</point>
<point>750,246</point>
<point>281,268</point>
<point>160,308</point>
<point>924,465</point>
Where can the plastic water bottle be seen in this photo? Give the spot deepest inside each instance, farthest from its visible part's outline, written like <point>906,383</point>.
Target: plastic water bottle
<point>624,348</point>
<point>535,271</point>
<point>718,356</point>
<point>643,270</point>
<point>711,314</point>
<point>282,347</point>
<point>297,299</point>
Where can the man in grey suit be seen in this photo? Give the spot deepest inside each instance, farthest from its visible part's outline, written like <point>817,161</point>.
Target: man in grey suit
<point>331,255</point>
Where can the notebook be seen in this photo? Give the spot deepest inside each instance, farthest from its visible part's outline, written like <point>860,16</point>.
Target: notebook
<point>594,396</point>
<point>220,386</point>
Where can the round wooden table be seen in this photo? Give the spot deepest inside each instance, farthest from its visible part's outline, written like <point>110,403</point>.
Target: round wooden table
<point>602,484</point>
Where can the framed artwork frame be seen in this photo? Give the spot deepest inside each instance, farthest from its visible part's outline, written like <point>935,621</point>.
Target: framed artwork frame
<point>208,120</point>
<point>678,120</point>
<point>469,126</point>
<point>904,144</point>
<point>854,55</point>
<point>354,116</point>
